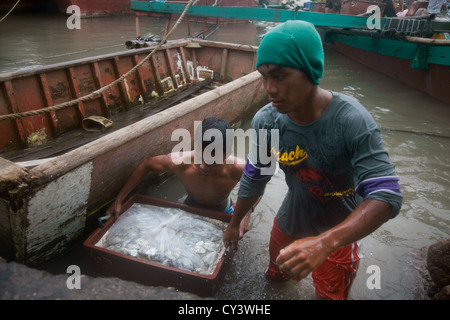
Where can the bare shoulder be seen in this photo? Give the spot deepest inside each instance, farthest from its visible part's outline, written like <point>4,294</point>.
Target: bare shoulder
<point>235,165</point>
<point>180,160</point>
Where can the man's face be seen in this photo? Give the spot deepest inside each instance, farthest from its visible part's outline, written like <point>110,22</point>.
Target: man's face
<point>211,165</point>
<point>287,88</point>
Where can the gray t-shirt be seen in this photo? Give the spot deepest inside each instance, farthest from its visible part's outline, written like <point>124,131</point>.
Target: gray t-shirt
<point>330,165</point>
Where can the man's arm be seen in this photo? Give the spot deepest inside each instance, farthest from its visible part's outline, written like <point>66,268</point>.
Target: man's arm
<point>231,235</point>
<point>157,164</point>
<point>305,255</point>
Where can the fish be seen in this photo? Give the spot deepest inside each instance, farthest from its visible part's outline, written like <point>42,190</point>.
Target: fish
<point>167,236</point>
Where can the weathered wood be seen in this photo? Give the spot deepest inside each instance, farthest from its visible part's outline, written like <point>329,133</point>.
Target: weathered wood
<point>180,96</point>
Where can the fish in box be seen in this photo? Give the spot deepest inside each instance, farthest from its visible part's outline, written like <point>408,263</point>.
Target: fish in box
<point>169,236</point>
<point>162,243</point>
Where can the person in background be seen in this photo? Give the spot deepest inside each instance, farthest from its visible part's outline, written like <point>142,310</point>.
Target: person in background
<point>389,10</point>
<point>341,182</point>
<point>333,6</point>
<point>435,6</point>
<point>207,185</point>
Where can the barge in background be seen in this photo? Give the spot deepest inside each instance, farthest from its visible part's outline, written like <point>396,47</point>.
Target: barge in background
<point>414,51</point>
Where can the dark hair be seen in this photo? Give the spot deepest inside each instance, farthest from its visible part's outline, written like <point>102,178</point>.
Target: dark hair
<point>222,126</point>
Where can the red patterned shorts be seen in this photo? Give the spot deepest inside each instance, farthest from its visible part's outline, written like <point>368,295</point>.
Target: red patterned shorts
<point>332,279</point>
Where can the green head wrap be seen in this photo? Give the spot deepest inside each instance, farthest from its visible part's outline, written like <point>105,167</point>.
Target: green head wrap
<point>294,44</point>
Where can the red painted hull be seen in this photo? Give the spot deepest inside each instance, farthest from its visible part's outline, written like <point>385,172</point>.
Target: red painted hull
<point>91,8</point>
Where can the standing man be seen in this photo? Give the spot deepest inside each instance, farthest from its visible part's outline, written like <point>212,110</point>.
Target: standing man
<point>342,184</point>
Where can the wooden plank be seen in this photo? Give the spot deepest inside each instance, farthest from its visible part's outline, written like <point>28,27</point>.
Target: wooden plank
<point>156,74</point>
<point>180,96</point>
<point>49,101</point>
<point>76,93</point>
<point>11,99</point>
<point>140,79</point>
<point>223,65</point>
<point>97,75</point>
<point>171,67</point>
<point>122,89</point>
<point>184,61</point>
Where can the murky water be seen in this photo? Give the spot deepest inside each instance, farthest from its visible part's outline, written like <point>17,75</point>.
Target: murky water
<point>415,132</point>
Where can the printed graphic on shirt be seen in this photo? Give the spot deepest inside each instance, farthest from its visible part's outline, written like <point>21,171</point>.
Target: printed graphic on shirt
<point>290,158</point>
<point>311,177</point>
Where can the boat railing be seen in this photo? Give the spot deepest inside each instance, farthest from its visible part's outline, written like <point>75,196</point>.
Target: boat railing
<point>407,27</point>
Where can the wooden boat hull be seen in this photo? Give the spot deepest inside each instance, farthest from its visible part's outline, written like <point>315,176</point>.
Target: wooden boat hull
<point>425,67</point>
<point>45,208</point>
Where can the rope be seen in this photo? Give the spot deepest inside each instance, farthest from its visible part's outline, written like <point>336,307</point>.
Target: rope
<point>10,11</point>
<point>98,92</point>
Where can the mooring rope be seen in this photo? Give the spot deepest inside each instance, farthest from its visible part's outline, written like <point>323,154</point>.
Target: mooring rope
<point>98,92</point>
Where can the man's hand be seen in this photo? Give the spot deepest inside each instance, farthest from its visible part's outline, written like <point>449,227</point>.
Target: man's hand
<point>305,255</point>
<point>302,257</point>
<point>115,208</point>
<point>231,236</point>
